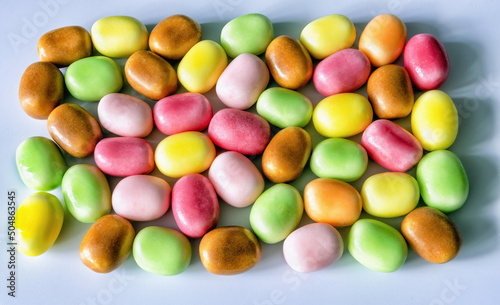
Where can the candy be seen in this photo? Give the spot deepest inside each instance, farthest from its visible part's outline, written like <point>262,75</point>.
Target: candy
<point>41,89</point>
<point>150,75</point>
<point>124,156</point>
<point>250,33</point>
<point>119,36</point>
<point>434,120</point>
<point>390,91</point>
<point>65,45</point>
<point>141,197</point>
<point>340,159</point>
<point>241,83</point>
<point>427,62</point>
<point>390,194</point>
<point>86,192</point>
<point>40,164</point>
<point>443,181</point>
<point>391,146</point>
<point>313,247</point>
<point>289,62</point>
<point>332,201</point>
<point>195,205</point>
<point>286,155</point>
<point>327,35</point>
<point>125,115</point>
<point>383,39</point>
<point>276,213</point>
<point>432,235</point>
<point>162,251</point>
<point>344,71</point>
<point>107,244</point>
<point>230,250</point>
<point>342,115</point>
<point>200,68</point>
<point>90,79</point>
<point>240,131</point>
<point>377,245</point>
<point>236,179</point>
<point>184,153</point>
<point>74,129</point>
<point>284,107</point>
<point>182,112</point>
<point>38,221</point>
<point>174,36</point>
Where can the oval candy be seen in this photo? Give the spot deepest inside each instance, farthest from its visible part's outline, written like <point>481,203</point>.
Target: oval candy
<point>64,45</point>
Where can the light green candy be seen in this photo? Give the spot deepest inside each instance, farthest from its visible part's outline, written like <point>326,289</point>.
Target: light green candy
<point>284,107</point>
<point>276,213</point>
<point>90,79</point>
<point>377,245</point>
<point>86,192</point>
<point>442,180</point>
<point>340,159</point>
<point>162,251</point>
<point>250,33</point>
<point>40,163</point>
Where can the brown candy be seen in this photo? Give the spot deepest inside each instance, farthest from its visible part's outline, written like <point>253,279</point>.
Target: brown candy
<point>390,92</point>
<point>432,235</point>
<point>174,36</point>
<point>65,45</point>
<point>41,89</point>
<point>74,129</point>
<point>150,75</point>
<point>289,62</point>
<point>230,250</point>
<point>286,155</point>
<point>107,243</point>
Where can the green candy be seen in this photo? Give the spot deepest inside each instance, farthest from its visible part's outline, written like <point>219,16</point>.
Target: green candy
<point>340,159</point>
<point>284,107</point>
<point>276,213</point>
<point>40,163</point>
<point>86,192</point>
<point>90,79</point>
<point>250,33</point>
<point>162,251</point>
<point>377,245</point>
<point>443,181</point>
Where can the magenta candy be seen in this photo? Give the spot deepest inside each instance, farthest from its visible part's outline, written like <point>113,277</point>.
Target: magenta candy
<point>341,72</point>
<point>239,131</point>
<point>391,146</point>
<point>426,61</point>
<point>195,205</point>
<point>124,156</point>
<point>182,112</point>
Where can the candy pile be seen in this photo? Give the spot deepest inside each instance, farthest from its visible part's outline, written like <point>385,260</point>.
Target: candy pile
<point>193,132</point>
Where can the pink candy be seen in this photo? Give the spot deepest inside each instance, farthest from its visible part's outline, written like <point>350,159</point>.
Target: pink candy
<point>391,146</point>
<point>124,156</point>
<point>195,205</point>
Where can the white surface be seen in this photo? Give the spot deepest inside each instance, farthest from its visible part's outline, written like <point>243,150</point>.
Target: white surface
<point>469,31</point>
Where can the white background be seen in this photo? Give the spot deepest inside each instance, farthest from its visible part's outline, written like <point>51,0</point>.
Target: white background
<point>469,32</point>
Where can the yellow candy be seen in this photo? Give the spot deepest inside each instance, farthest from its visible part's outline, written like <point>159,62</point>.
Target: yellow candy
<point>184,153</point>
<point>390,194</point>
<point>200,68</point>
<point>342,115</point>
<point>39,219</point>
<point>434,120</point>
<point>119,36</point>
<point>327,35</point>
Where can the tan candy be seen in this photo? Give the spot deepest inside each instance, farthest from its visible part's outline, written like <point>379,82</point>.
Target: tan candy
<point>41,89</point>
<point>150,75</point>
<point>74,129</point>
<point>65,45</point>
<point>174,36</point>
